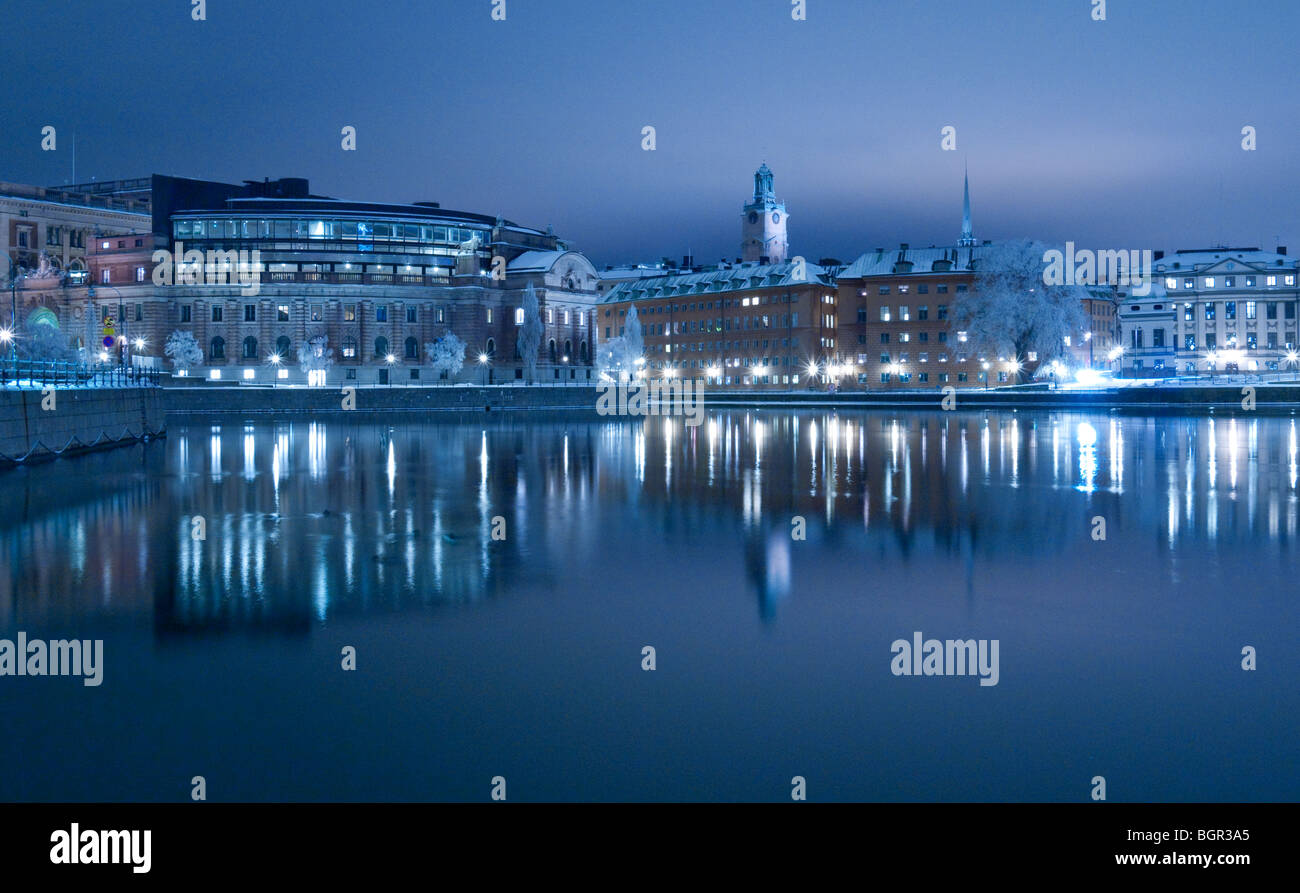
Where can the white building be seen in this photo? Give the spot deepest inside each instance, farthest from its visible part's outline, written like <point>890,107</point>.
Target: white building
<point>763,226</point>
<point>1213,310</point>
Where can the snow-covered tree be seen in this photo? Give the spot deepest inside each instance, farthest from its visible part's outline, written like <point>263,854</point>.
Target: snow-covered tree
<point>315,355</point>
<point>530,333</point>
<point>1010,312</point>
<point>183,350</point>
<point>635,343</point>
<point>612,359</point>
<point>44,343</point>
<point>447,354</point>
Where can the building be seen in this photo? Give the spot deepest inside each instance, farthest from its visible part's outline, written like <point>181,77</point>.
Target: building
<point>59,223</point>
<point>748,325</point>
<point>378,282</point>
<point>1093,345</point>
<point>1213,310</point>
<point>763,223</point>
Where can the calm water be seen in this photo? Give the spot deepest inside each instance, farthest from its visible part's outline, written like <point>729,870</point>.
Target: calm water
<point>522,657</point>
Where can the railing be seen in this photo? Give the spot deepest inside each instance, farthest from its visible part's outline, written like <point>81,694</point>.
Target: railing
<point>36,374</point>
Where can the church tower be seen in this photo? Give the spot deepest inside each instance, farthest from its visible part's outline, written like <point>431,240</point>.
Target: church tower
<point>763,226</point>
<point>967,234</point>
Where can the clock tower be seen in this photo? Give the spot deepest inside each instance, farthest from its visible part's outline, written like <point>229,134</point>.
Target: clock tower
<point>763,223</point>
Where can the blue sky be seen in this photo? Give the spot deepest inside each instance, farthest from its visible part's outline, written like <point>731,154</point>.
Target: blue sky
<point>1123,133</point>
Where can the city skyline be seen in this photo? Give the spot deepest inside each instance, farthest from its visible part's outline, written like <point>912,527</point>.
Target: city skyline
<point>1163,169</point>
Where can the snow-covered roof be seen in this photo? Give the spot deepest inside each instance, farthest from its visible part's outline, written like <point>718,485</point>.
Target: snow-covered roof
<point>891,261</point>
<point>536,261</point>
<point>737,278</point>
<point>1192,260</point>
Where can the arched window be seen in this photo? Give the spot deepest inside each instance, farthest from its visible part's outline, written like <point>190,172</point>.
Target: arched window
<point>282,347</point>
<point>583,350</point>
<point>519,316</point>
<point>381,347</point>
<point>217,350</point>
<point>491,348</point>
<point>350,347</point>
<point>412,349</point>
<point>568,351</point>
<point>250,348</point>
<point>550,349</point>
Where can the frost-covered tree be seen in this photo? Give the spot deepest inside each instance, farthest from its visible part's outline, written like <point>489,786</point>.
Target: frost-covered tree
<point>447,354</point>
<point>635,343</point>
<point>530,333</point>
<point>315,355</point>
<point>44,343</point>
<point>183,350</point>
<point>1010,312</point>
<point>612,359</point>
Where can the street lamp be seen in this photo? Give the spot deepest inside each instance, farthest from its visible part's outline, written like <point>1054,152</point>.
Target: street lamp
<point>275,360</point>
<point>390,360</point>
<point>482,361</point>
<point>1291,358</point>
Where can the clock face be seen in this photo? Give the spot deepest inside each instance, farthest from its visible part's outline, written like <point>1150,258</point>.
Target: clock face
<point>753,217</point>
<point>776,218</point>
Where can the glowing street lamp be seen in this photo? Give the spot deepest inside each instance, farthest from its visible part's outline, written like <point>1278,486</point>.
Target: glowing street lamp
<point>483,361</point>
<point>1292,358</point>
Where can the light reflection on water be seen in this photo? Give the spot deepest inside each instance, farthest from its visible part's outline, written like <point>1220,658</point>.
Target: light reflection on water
<point>626,531</point>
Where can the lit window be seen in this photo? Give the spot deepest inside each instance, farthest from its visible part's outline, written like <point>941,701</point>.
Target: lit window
<point>248,374</point>
<point>1271,281</point>
<point>1209,282</point>
<point>1171,283</point>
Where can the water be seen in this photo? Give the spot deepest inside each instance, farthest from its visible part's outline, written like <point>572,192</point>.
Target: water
<point>522,657</point>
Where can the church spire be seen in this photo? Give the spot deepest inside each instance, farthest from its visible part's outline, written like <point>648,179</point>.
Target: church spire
<point>967,235</point>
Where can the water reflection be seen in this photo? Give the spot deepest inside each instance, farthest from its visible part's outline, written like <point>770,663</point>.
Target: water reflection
<point>303,522</point>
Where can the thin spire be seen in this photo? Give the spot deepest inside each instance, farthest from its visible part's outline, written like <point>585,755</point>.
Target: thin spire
<point>967,234</point>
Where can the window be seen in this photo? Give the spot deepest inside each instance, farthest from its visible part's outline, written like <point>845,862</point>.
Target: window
<point>1157,337</point>
<point>1251,341</point>
<point>250,348</point>
<point>923,289</point>
<point>884,358</point>
<point>1189,283</point>
<point>250,313</point>
<point>1229,309</point>
<point>884,337</point>
<point>962,288</point>
<point>904,314</point>
<point>1250,310</point>
<point>105,276</point>
<point>1270,281</point>
<point>317,312</point>
<point>442,315</point>
<point>216,313</point>
<point>350,347</point>
<point>217,350</point>
<point>1229,281</point>
<point>186,310</point>
<point>943,337</point>
<point>282,347</point>
<point>412,314</point>
<point>139,312</point>
<point>923,336</point>
<point>884,314</point>
<point>884,290</point>
<point>381,347</point>
<point>1270,310</point>
<point>941,289</point>
<point>1209,310</point>
<point>923,312</point>
<point>349,312</point>
<point>489,315</point>
<point>381,313</point>
<point>412,349</point>
<point>282,313</point>
<point>139,274</point>
<point>943,311</point>
<point>1171,283</point>
<point>1209,282</point>
<point>519,316</point>
<point>1211,341</point>
<point>1189,342</point>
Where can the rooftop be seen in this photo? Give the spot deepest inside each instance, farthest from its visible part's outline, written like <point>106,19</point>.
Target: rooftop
<point>734,278</point>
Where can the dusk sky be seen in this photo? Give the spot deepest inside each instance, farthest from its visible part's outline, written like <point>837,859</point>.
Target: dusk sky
<point>1124,133</point>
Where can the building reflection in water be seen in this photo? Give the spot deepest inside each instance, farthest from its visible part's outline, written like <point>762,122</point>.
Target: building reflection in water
<point>303,522</point>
